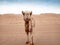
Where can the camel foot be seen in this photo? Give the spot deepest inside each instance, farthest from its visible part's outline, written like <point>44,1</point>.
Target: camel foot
<point>27,42</point>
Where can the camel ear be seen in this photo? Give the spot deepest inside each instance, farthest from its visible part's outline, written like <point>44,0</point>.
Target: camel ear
<point>23,12</point>
<point>31,13</point>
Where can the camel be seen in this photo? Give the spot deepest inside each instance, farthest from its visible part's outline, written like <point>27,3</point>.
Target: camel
<point>29,24</point>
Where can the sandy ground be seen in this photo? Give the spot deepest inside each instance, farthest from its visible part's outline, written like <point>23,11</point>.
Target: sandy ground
<point>46,31</point>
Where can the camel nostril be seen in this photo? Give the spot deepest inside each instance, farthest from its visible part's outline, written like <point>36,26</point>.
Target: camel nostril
<point>27,18</point>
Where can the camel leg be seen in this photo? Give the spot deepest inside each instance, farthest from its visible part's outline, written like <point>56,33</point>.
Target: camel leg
<point>31,39</point>
<point>27,38</point>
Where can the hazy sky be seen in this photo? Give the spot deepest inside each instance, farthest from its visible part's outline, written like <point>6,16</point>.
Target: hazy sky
<point>37,6</point>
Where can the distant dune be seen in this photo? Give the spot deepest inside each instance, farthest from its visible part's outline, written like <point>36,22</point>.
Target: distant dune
<point>46,31</point>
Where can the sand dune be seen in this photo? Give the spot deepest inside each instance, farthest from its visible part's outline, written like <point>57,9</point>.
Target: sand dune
<point>46,31</point>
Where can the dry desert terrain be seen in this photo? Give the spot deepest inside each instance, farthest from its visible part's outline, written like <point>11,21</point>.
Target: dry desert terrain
<point>46,31</point>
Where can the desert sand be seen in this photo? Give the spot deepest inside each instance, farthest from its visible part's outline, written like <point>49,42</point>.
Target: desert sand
<point>46,31</point>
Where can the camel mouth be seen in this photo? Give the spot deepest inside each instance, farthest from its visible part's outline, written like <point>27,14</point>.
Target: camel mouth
<point>27,19</point>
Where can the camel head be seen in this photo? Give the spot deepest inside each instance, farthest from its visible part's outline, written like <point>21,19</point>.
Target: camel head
<point>27,15</point>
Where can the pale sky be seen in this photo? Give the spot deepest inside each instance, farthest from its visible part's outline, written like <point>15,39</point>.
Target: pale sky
<point>36,6</point>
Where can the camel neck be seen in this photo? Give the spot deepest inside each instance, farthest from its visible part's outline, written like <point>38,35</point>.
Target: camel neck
<point>26,22</point>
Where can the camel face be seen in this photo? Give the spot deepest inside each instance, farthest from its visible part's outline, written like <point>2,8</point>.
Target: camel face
<point>27,15</point>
